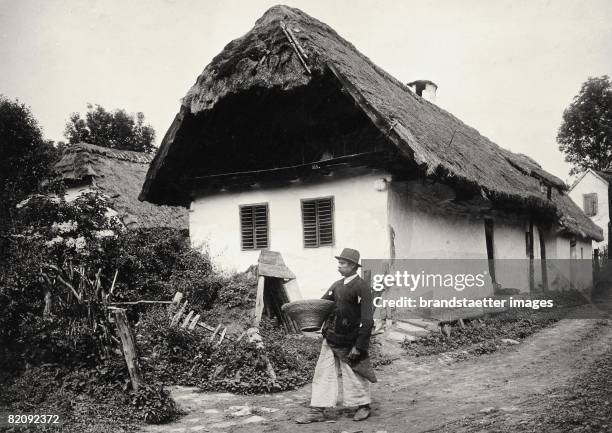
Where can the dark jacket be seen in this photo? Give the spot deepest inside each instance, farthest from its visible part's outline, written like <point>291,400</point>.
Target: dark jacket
<point>351,322</point>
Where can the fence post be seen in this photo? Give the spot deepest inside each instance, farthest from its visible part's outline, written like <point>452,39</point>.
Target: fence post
<point>129,347</point>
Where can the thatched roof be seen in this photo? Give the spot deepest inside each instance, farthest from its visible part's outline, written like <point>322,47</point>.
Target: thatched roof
<point>266,59</point>
<point>118,174</point>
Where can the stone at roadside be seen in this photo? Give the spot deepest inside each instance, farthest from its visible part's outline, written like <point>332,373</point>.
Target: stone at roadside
<point>209,411</point>
<point>252,419</point>
<point>509,409</point>
<point>266,409</point>
<point>488,409</point>
<point>239,410</point>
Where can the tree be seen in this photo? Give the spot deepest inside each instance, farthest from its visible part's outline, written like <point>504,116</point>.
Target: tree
<point>585,136</point>
<point>25,158</point>
<point>116,129</point>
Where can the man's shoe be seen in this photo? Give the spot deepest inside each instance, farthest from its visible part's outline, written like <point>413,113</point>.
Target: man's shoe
<point>314,415</point>
<point>363,412</point>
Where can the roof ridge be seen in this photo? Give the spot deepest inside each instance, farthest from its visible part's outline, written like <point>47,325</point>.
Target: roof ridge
<point>125,155</point>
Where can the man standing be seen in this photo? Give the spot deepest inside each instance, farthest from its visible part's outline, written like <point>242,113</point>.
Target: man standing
<point>346,337</point>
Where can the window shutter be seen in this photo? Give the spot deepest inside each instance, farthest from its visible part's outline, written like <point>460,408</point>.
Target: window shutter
<point>318,222</point>
<point>254,226</point>
<point>590,204</point>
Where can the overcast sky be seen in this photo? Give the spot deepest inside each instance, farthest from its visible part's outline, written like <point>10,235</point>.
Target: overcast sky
<point>507,68</point>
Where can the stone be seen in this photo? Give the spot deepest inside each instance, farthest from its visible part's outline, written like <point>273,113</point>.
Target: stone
<point>509,409</point>
<point>488,409</point>
<point>509,341</point>
<point>224,424</point>
<point>240,410</point>
<point>252,419</point>
<point>267,409</point>
<point>209,411</point>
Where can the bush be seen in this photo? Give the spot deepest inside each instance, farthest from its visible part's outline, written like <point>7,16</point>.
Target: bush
<point>481,339</point>
<point>89,395</point>
<point>176,355</point>
<point>53,240</point>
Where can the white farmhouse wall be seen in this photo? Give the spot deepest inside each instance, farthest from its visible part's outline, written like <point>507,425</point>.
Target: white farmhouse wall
<point>511,259</point>
<point>360,222</point>
<point>375,221</point>
<point>421,234</point>
<point>589,184</point>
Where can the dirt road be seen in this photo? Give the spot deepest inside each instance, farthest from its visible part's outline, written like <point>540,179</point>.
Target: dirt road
<point>419,395</point>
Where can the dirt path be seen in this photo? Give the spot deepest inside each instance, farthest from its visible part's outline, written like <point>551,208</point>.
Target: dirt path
<point>418,396</point>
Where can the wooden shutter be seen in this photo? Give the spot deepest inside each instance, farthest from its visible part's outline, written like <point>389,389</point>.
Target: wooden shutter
<point>254,226</point>
<point>590,204</point>
<point>318,222</point>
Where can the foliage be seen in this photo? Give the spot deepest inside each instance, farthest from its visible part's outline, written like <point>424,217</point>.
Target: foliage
<point>174,355</point>
<point>59,245</point>
<point>585,136</point>
<point>88,395</point>
<point>155,404</point>
<point>25,159</point>
<point>53,241</point>
<point>116,129</point>
<point>156,263</point>
<point>480,338</point>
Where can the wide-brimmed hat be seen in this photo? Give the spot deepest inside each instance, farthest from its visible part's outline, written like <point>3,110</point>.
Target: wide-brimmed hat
<point>349,254</point>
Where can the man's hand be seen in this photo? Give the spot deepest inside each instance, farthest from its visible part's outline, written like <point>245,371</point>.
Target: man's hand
<point>354,354</point>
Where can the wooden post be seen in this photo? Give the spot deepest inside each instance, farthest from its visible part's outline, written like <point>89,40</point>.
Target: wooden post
<point>194,322</point>
<point>178,315</point>
<point>129,347</point>
<point>530,254</point>
<point>187,319</point>
<point>543,265</point>
<point>259,301</point>
<point>47,310</point>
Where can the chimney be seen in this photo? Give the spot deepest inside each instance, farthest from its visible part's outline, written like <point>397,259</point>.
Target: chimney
<point>425,89</point>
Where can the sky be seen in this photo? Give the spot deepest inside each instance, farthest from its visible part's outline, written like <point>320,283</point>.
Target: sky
<point>506,68</point>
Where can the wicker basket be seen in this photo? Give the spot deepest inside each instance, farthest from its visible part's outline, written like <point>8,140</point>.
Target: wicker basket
<point>309,313</point>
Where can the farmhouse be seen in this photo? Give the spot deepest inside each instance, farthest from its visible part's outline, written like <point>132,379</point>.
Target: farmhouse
<point>118,174</point>
<point>292,140</point>
<point>591,191</point>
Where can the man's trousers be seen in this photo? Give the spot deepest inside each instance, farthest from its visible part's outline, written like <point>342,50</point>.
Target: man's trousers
<point>325,385</point>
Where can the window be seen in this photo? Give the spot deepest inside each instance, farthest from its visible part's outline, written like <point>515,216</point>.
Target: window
<point>254,226</point>
<point>318,222</point>
<point>590,204</point>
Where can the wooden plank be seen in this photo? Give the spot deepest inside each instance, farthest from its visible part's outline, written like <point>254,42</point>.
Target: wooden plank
<point>178,315</point>
<point>206,326</point>
<point>194,322</point>
<point>293,291</point>
<point>259,300</point>
<point>222,336</point>
<point>212,337</point>
<point>129,347</point>
<point>178,296</point>
<point>139,302</point>
<point>187,319</point>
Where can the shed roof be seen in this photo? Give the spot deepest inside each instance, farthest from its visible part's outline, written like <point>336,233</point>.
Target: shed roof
<point>118,174</point>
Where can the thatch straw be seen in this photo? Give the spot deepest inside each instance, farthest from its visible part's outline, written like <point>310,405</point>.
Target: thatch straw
<point>442,145</point>
<point>119,175</point>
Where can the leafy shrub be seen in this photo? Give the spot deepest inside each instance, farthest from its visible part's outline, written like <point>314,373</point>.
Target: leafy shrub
<point>54,237</point>
<point>155,404</point>
<point>89,394</point>
<point>176,355</point>
<point>481,339</point>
